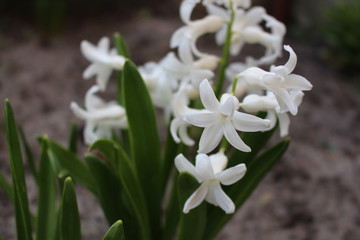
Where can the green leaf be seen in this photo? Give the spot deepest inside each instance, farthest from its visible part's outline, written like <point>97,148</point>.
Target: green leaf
<point>69,214</point>
<point>29,155</point>
<point>22,214</point>
<point>73,137</point>
<point>68,161</point>
<point>6,187</point>
<point>144,140</point>
<point>108,185</point>
<point>240,191</point>
<point>115,232</point>
<point>47,216</point>
<point>192,224</point>
<point>130,183</point>
<point>107,149</point>
<point>121,45</point>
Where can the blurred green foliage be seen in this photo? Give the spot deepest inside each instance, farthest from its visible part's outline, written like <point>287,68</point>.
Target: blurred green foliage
<point>342,34</point>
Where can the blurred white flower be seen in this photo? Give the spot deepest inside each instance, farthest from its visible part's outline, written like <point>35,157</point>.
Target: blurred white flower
<point>103,61</point>
<point>279,81</point>
<point>246,29</point>
<point>100,117</point>
<point>179,108</point>
<point>221,119</point>
<point>186,36</point>
<point>209,171</point>
<point>187,70</point>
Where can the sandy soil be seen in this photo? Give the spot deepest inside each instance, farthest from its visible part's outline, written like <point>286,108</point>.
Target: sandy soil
<point>313,193</point>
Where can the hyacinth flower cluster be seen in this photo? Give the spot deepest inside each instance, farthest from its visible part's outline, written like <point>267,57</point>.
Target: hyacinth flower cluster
<point>218,113</point>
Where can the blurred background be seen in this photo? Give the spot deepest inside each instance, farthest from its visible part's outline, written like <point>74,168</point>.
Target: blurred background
<point>313,193</point>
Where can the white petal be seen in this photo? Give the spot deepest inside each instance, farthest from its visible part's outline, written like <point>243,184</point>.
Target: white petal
<point>90,71</point>
<point>208,97</point>
<point>284,123</point>
<point>178,36</point>
<point>89,135</point>
<point>174,126</point>
<point>249,123</point>
<point>204,167</point>
<point>297,82</point>
<point>182,164</point>
<point>210,138</point>
<point>201,119</point>
<point>198,75</point>
<point>185,138</point>
<point>222,200</point>
<point>218,161</point>
<point>231,175</point>
<point>291,63</point>
<point>218,11</point>
<point>285,101</point>
<point>186,9</point>
<point>228,107</point>
<point>104,44</point>
<point>78,111</point>
<point>234,139</point>
<point>253,76</point>
<point>196,198</point>
<point>271,116</point>
<point>103,77</point>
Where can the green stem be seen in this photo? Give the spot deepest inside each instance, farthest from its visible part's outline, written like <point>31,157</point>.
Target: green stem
<point>225,54</point>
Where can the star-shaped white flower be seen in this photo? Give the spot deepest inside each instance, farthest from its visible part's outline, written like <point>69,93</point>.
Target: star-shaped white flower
<point>279,81</point>
<point>103,61</point>
<point>100,117</point>
<point>209,171</point>
<point>221,119</point>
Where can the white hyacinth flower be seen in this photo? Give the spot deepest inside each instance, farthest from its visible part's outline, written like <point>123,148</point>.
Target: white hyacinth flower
<point>246,29</point>
<point>103,61</point>
<point>187,35</point>
<point>187,70</point>
<point>254,103</point>
<point>279,81</point>
<point>209,171</point>
<point>100,117</point>
<point>227,4</point>
<point>178,127</point>
<point>221,119</point>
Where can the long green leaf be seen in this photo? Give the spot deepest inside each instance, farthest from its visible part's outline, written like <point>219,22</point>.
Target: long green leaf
<point>22,213</point>
<point>69,214</point>
<point>144,140</point>
<point>47,216</point>
<point>116,232</point>
<point>121,45</point>
<point>73,137</point>
<point>240,191</point>
<point>71,163</point>
<point>192,224</point>
<point>129,182</point>
<point>108,187</point>
<point>29,155</point>
<point>6,187</point>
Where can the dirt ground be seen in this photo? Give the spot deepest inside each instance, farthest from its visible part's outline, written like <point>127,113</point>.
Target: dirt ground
<point>312,194</point>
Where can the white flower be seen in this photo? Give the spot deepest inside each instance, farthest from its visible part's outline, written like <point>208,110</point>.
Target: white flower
<point>186,36</point>
<point>179,108</point>
<point>100,117</point>
<point>254,103</point>
<point>187,70</point>
<point>103,61</point>
<point>221,119</point>
<point>246,29</point>
<point>279,81</point>
<point>160,83</point>
<point>209,171</point>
